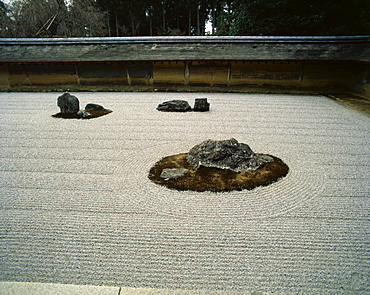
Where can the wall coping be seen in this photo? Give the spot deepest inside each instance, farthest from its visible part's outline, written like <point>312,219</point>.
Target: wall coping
<point>185,39</point>
<point>188,48</point>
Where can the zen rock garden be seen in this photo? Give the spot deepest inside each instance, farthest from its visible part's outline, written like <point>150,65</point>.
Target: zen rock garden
<point>200,105</point>
<point>70,108</point>
<point>218,166</point>
<point>213,165</point>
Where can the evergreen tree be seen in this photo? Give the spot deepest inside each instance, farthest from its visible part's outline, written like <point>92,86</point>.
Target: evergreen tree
<point>27,18</point>
<point>292,17</point>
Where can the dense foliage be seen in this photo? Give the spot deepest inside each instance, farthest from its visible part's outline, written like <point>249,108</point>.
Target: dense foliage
<point>296,17</point>
<point>51,18</point>
<point>29,18</point>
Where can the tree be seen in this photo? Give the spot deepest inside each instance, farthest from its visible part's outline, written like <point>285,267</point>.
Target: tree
<point>84,19</point>
<point>292,17</point>
<point>5,22</point>
<point>48,18</point>
<point>158,17</point>
<point>225,18</point>
<point>127,18</point>
<point>27,18</point>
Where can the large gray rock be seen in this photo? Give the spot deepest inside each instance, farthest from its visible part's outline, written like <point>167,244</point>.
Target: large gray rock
<point>69,104</point>
<point>225,154</point>
<point>174,106</point>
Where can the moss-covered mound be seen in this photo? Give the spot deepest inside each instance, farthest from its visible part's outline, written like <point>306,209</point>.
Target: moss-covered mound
<point>93,114</point>
<point>215,179</point>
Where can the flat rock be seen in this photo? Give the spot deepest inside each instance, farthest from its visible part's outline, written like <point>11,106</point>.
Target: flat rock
<point>95,107</point>
<point>169,173</point>
<point>174,106</point>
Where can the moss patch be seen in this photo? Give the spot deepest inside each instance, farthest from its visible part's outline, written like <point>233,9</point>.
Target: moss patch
<point>93,114</point>
<point>214,179</point>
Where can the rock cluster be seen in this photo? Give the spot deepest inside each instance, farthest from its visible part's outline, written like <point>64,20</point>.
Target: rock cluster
<point>201,105</point>
<point>218,166</point>
<point>226,154</point>
<point>69,104</point>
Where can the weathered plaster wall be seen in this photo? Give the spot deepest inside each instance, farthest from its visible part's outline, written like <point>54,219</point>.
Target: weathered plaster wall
<point>4,76</point>
<point>233,75</point>
<point>361,80</point>
<point>309,64</point>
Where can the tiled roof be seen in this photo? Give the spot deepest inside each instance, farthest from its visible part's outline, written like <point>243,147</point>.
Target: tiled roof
<point>334,48</point>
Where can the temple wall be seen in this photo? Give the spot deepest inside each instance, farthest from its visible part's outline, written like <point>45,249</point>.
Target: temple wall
<point>361,80</point>
<point>170,73</point>
<point>232,75</point>
<point>246,64</point>
<point>4,76</point>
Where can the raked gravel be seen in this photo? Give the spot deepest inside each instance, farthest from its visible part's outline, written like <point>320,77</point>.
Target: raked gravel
<point>77,206</point>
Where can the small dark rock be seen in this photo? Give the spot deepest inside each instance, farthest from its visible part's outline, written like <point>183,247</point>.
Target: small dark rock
<point>68,104</point>
<point>174,106</point>
<point>225,154</point>
<point>201,105</point>
<point>94,107</point>
<point>83,114</point>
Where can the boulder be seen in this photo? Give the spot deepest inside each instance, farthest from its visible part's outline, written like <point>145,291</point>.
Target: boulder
<point>94,107</point>
<point>226,154</point>
<point>174,106</point>
<point>68,104</point>
<point>201,105</point>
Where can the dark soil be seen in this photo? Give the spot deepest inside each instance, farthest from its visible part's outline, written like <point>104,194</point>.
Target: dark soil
<point>214,179</point>
<point>94,114</point>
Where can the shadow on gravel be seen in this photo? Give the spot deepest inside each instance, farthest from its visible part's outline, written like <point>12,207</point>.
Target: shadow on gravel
<point>93,114</point>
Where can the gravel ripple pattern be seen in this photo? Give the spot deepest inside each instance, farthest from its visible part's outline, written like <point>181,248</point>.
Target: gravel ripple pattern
<point>77,206</point>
